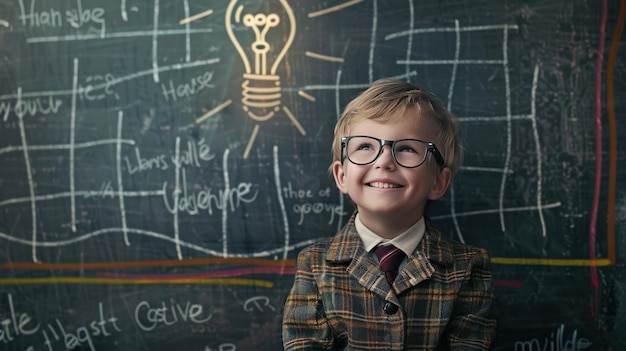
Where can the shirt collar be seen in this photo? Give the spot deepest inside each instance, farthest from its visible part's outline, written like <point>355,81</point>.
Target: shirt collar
<point>406,241</point>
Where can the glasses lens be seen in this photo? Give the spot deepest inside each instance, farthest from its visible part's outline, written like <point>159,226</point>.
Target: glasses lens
<point>410,153</point>
<point>362,150</point>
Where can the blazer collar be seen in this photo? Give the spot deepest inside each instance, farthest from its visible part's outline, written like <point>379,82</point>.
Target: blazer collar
<point>347,243</point>
<point>347,247</point>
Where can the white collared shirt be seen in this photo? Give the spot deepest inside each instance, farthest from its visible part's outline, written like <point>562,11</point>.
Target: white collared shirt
<point>406,241</point>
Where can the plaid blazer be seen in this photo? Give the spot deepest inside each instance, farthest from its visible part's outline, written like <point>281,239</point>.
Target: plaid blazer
<point>442,298</point>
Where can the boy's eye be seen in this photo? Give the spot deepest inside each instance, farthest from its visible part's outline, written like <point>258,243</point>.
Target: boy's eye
<point>406,148</point>
<point>365,146</point>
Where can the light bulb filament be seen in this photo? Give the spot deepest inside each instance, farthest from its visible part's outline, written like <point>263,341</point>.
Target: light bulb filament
<point>260,25</point>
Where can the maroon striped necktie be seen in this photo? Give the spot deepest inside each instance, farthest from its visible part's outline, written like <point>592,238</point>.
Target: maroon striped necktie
<point>390,258</point>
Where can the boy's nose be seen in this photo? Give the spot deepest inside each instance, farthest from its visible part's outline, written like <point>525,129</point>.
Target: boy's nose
<point>385,159</point>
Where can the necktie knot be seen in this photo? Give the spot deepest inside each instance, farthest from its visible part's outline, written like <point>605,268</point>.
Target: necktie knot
<point>389,258</point>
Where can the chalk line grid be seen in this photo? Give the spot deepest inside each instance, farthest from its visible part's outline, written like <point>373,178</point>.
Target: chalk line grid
<point>508,118</point>
<point>33,199</point>
<point>337,87</point>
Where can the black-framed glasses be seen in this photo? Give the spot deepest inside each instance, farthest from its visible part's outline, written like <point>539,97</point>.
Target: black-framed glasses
<point>408,153</point>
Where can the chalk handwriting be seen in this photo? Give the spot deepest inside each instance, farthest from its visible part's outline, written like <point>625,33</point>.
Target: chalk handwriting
<point>49,18</point>
<point>207,199</point>
<point>30,106</point>
<point>141,164</point>
<point>77,17</point>
<point>97,87</point>
<point>80,17</point>
<point>83,335</point>
<point>196,84</point>
<point>317,208</point>
<point>22,324</point>
<point>311,207</point>
<point>260,303</point>
<point>148,317</point>
<point>195,153</point>
<point>290,193</point>
<point>18,323</point>
<point>556,342</point>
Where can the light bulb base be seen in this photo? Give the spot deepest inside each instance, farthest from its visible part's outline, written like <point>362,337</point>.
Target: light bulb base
<point>261,96</point>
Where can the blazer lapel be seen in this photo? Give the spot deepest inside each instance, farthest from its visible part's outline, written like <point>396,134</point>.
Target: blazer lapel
<point>419,267</point>
<point>347,247</point>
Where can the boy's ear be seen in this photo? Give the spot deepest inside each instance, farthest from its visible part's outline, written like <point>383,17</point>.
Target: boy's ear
<point>340,177</point>
<point>442,182</point>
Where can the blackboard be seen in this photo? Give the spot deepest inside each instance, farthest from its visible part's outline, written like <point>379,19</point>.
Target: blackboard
<point>157,181</point>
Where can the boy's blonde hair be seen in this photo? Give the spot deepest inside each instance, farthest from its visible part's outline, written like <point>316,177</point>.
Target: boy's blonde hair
<point>384,98</point>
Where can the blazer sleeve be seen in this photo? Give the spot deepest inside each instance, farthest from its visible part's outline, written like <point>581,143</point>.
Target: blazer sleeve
<point>305,326</point>
<point>473,325</point>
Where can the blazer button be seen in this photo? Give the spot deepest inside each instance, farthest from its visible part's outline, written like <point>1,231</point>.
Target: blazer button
<point>390,308</point>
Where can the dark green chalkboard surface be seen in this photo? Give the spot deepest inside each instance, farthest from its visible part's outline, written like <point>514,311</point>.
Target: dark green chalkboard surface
<point>163,162</point>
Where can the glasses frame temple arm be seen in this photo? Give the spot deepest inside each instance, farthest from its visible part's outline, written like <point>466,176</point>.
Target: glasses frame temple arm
<point>438,157</point>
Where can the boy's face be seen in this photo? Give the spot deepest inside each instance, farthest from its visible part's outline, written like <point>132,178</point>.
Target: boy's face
<point>384,190</point>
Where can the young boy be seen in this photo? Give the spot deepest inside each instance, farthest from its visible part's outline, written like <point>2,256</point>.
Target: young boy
<point>395,148</point>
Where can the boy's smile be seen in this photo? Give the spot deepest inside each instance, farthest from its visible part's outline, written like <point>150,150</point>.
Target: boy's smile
<point>387,194</point>
<point>383,185</point>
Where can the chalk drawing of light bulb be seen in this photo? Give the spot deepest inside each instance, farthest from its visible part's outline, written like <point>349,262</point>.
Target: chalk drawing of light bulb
<point>248,28</point>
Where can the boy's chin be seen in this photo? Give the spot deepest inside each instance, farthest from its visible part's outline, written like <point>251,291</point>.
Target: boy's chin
<point>390,212</point>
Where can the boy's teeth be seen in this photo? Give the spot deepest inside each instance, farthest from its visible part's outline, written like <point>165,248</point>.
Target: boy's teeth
<point>383,185</point>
